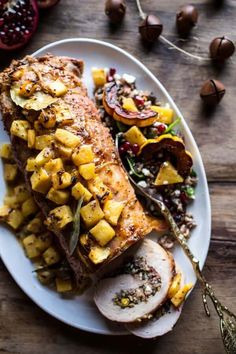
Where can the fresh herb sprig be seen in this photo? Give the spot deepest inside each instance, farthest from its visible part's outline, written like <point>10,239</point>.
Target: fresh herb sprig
<point>76,228</point>
<point>133,169</point>
<point>172,125</point>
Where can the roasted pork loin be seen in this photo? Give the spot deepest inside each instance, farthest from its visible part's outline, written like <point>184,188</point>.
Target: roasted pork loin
<point>68,156</point>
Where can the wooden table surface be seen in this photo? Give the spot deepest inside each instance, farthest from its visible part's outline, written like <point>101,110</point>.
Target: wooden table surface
<point>24,328</point>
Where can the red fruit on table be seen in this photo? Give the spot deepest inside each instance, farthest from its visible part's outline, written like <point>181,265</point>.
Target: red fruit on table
<point>18,22</point>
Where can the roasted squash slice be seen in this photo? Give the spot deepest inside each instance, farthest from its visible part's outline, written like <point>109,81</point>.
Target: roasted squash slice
<point>175,146</point>
<point>113,108</point>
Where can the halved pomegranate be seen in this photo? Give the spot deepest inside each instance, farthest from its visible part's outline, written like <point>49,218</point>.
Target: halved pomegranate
<point>18,22</point>
<point>45,4</point>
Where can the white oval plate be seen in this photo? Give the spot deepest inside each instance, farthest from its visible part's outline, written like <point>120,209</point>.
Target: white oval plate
<point>80,311</point>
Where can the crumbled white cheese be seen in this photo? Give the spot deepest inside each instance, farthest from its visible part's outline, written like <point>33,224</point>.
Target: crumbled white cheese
<point>165,164</point>
<point>165,182</point>
<point>146,172</point>
<point>142,184</point>
<point>167,105</point>
<point>106,70</point>
<point>130,79</point>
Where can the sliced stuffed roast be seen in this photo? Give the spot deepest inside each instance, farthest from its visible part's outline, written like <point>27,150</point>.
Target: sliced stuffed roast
<point>138,286</point>
<point>162,322</point>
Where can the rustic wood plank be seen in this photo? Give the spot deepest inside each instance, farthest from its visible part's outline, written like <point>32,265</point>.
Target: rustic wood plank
<point>27,329</point>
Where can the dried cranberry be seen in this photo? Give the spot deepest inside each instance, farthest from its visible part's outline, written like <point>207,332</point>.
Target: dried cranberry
<point>139,100</point>
<point>161,128</point>
<point>135,149</point>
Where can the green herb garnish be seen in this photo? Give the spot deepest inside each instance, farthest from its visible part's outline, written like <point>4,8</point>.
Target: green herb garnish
<point>76,228</point>
<point>190,192</point>
<point>172,125</point>
<point>131,164</point>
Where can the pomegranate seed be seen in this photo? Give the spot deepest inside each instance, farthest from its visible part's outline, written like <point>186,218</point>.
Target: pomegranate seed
<point>112,72</point>
<point>161,128</point>
<point>135,149</point>
<point>127,146</point>
<point>139,100</point>
<point>122,150</point>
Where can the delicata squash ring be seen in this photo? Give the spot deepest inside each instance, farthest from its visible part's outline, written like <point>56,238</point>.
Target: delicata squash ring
<point>113,108</point>
<point>172,144</point>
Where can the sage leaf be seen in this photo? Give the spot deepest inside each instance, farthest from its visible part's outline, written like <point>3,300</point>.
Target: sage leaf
<point>74,238</point>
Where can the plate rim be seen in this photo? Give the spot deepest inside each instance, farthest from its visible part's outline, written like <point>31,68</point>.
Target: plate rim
<point>198,158</point>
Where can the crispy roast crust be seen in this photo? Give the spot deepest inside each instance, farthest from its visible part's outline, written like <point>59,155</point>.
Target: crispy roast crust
<point>133,224</point>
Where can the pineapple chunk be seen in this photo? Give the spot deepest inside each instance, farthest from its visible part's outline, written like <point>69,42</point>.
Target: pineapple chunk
<point>40,181</point>
<point>43,241</point>
<point>79,191</point>
<point>11,201</point>
<point>57,88</point>
<point>35,226</point>
<point>129,105</point>
<point>29,244</point>
<point>99,77</point>
<point>57,196</point>
<point>43,141</point>
<point>63,285</point>
<point>167,175</point>
<point>135,136</point>
<point>84,155</point>
<point>67,138</point>
<point>165,114</point>
<point>4,211</point>
<point>6,151</point>
<point>175,286</point>
<point>180,296</point>
<point>31,165</point>
<point>102,232</point>
<point>51,256</point>
<point>112,210</point>
<point>29,207</point>
<point>44,156</point>
<point>21,193</point>
<point>63,115</point>
<point>61,180</point>
<point>31,138</point>
<point>60,217</point>
<point>91,213</point>
<point>47,119</point>
<point>84,240</point>
<point>87,171</point>
<point>99,254</point>
<point>64,151</point>
<point>54,165</point>
<point>15,218</point>
<point>99,189</point>
<point>20,129</point>
<point>10,172</point>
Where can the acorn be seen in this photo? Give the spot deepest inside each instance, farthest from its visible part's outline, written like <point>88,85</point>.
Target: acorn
<point>115,10</point>
<point>186,19</point>
<point>212,92</point>
<point>221,48</point>
<point>150,28</point>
